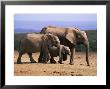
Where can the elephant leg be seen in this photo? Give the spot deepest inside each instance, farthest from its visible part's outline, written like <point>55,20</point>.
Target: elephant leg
<point>31,58</point>
<point>64,57</point>
<point>45,56</point>
<point>40,58</point>
<point>72,56</point>
<point>19,58</point>
<point>87,55</point>
<point>46,59</point>
<point>61,59</point>
<point>52,60</point>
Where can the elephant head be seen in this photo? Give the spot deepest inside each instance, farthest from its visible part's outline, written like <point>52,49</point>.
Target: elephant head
<point>75,36</point>
<point>65,50</point>
<point>49,40</point>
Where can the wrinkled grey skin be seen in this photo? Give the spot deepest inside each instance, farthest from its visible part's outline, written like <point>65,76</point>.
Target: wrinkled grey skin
<point>33,43</point>
<point>54,52</point>
<point>69,37</point>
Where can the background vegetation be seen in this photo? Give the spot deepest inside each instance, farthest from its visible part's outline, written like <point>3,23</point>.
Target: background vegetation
<point>92,36</point>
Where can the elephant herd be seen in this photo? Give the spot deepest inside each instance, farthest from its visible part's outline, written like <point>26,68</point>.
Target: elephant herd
<point>52,42</point>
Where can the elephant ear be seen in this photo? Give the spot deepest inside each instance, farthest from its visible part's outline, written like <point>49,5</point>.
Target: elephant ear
<point>44,37</point>
<point>70,36</point>
<point>48,39</point>
<point>49,36</point>
<point>53,38</point>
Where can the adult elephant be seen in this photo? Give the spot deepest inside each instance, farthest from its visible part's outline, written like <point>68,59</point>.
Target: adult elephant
<point>33,43</point>
<point>69,37</point>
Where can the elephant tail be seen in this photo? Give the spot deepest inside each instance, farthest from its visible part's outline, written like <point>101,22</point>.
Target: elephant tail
<point>43,31</point>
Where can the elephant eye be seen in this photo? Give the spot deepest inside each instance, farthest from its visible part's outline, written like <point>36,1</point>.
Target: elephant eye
<point>79,36</point>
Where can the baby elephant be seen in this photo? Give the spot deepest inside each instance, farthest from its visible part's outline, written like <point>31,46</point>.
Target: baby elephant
<point>54,52</point>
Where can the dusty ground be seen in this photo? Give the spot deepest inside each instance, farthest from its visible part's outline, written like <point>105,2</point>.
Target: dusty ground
<point>39,69</point>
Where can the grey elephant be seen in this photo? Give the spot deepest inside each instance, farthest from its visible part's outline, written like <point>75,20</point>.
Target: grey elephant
<point>69,37</point>
<point>33,43</point>
<point>54,52</point>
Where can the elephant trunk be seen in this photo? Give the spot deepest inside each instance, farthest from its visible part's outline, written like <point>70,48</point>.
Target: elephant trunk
<point>87,52</point>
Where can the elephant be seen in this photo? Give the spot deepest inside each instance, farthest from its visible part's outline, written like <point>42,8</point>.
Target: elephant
<point>69,37</point>
<point>33,43</point>
<point>54,52</point>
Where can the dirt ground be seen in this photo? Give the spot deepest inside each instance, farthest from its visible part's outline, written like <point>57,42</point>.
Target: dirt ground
<point>39,69</point>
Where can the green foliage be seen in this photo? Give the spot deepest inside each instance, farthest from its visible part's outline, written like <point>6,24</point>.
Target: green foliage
<point>92,37</point>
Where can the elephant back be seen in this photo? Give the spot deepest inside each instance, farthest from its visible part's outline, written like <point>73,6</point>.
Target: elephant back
<point>52,30</point>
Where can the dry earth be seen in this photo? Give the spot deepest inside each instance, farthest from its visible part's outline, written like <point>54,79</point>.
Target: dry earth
<point>39,69</point>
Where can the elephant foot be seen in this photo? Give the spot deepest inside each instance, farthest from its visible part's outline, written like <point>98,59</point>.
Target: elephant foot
<point>71,63</point>
<point>39,60</point>
<point>88,65</point>
<point>19,62</point>
<point>53,61</point>
<point>33,61</point>
<point>44,61</point>
<point>60,62</point>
